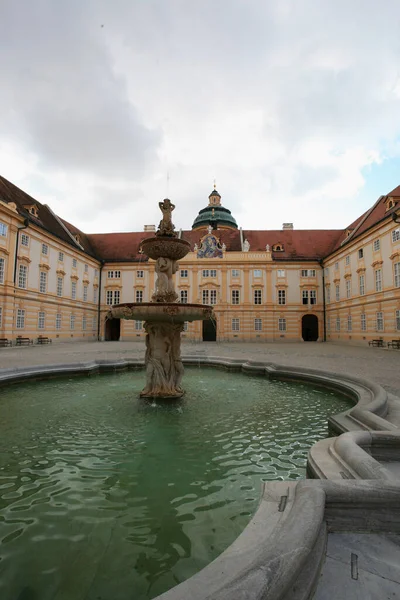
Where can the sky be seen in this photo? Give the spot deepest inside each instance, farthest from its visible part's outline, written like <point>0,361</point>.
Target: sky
<point>291,106</point>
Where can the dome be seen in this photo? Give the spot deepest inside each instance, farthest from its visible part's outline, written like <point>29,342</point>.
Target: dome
<point>214,214</point>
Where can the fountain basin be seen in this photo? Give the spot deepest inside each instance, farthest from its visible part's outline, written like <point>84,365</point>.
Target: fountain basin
<point>165,312</point>
<point>165,247</point>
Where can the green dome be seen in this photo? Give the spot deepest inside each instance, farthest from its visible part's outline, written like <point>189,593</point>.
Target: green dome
<point>214,215</point>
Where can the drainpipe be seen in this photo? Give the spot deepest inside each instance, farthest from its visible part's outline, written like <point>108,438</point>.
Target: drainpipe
<point>323,297</point>
<point>99,301</point>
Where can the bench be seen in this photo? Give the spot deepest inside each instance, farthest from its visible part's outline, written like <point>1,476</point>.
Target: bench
<point>394,344</point>
<point>44,340</point>
<point>376,343</point>
<point>5,342</point>
<point>23,341</point>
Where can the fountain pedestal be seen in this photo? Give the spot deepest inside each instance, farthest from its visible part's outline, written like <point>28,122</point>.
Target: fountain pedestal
<point>164,316</point>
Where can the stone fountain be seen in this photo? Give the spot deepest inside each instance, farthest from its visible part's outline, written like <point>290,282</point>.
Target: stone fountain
<point>164,316</point>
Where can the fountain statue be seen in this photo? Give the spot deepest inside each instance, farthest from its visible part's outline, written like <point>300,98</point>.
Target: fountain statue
<point>164,316</point>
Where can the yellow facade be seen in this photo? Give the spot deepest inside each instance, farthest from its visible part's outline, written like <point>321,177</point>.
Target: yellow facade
<point>50,287</point>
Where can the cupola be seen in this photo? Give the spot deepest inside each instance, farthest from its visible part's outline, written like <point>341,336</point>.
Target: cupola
<point>215,214</point>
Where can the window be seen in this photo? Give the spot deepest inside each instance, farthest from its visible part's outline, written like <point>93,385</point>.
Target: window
<point>85,292</point>
<point>305,296</point>
<point>361,284</point>
<point>396,275</point>
<point>74,263</point>
<point>397,318</point>
<point>309,296</point>
<point>95,295</point>
<point>235,273</point>
<point>185,325</point>
<point>61,256</point>
<point>114,274</point>
<point>379,321</point>
<point>378,280</point>
<point>206,273</point>
<point>73,290</point>
<point>347,260</point>
<point>328,324</point>
<point>257,325</point>
<point>140,274</point>
<point>326,271</point>
<point>117,295</point>
<point>138,325</point>
<point>235,296</point>
<point>282,324</point>
<point>184,296</point>
<point>308,273</point>
<point>396,235</point>
<point>281,273</point>
<point>313,297</point>
<point>2,269</point>
<point>43,282</point>
<point>83,322</point>
<point>96,272</point>
<point>58,321</point>
<point>348,288</point>
<point>94,323</point>
<point>205,297</point>
<point>337,293</point>
<point>257,296</point>
<point>213,297</point>
<point>22,276</point>
<point>235,325</point>
<point>361,253</point>
<point>86,269</point>
<point>377,245</point>
<point>349,323</point>
<point>257,273</point>
<point>139,296</point>
<point>213,272</point>
<point>112,297</point>
<point>41,317</point>
<point>24,239</point>
<point>20,319</point>
<point>363,322</point>
<point>281,296</point>
<point>336,266</point>
<point>328,293</point>
<point>184,273</point>
<point>109,297</point>
<point>337,323</point>
<point>45,249</point>
<point>3,229</point>
<point>72,322</point>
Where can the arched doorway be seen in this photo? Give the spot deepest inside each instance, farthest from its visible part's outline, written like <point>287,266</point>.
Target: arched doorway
<point>309,328</point>
<point>112,330</point>
<point>209,330</point>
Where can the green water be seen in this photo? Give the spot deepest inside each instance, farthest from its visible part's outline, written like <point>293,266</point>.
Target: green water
<point>107,497</point>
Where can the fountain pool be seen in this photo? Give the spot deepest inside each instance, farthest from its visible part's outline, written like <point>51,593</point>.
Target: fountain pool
<point>107,497</point>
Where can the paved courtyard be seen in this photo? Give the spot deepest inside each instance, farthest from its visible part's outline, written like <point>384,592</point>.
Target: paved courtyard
<point>377,364</point>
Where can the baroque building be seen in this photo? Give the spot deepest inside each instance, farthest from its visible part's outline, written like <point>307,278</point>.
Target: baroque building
<point>265,285</point>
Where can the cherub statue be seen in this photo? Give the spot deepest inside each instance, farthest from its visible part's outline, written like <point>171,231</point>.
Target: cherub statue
<point>195,248</point>
<point>223,247</point>
<point>267,248</point>
<point>246,246</point>
<point>166,227</point>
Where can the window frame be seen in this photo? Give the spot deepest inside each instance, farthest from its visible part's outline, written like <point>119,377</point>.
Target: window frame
<point>235,324</point>
<point>257,296</point>
<point>235,297</point>
<point>42,282</point>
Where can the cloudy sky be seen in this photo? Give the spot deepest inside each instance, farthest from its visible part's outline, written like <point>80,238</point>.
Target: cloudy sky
<point>292,105</point>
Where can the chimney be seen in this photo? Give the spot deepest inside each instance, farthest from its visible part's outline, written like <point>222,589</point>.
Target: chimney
<point>287,225</point>
<point>149,228</point>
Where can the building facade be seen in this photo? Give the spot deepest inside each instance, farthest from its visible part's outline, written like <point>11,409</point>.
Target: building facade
<point>265,285</point>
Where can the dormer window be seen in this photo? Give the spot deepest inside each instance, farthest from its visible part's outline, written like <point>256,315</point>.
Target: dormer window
<point>277,248</point>
<point>390,203</point>
<point>348,232</point>
<point>33,210</point>
<point>77,238</point>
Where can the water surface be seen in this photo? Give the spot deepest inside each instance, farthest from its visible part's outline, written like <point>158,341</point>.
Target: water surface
<point>107,497</point>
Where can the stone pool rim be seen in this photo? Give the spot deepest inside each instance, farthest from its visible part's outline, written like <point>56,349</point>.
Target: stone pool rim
<point>280,552</point>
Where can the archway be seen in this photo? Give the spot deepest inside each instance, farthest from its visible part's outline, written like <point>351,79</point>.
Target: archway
<point>112,330</point>
<point>209,330</point>
<point>309,328</point>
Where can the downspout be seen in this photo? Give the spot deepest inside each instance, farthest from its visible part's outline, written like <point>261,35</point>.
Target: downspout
<point>99,301</point>
<point>24,226</point>
<point>323,298</point>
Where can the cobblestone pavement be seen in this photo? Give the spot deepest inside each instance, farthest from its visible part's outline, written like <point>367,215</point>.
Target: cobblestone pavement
<point>377,364</point>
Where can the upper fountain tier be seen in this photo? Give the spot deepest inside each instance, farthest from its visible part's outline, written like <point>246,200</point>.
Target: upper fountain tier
<point>165,244</point>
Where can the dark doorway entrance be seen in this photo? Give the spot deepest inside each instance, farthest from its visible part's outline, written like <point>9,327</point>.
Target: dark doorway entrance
<point>309,328</point>
<point>112,330</point>
<point>209,330</point>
